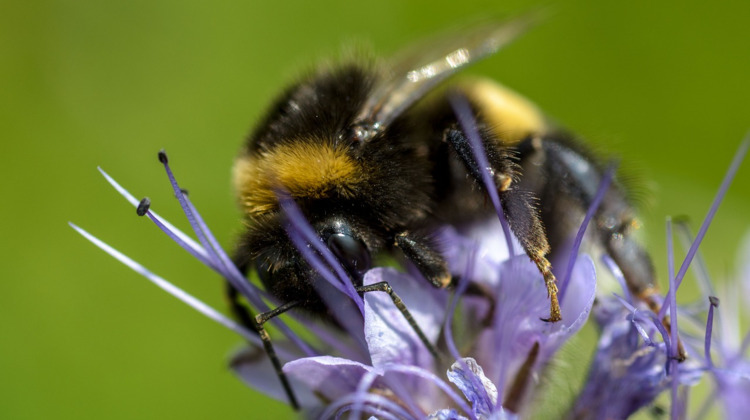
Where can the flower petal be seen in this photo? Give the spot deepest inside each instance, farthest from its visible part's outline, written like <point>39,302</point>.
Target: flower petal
<point>485,240</point>
<point>252,366</point>
<point>522,300</point>
<point>328,376</point>
<point>446,414</point>
<point>577,302</point>
<point>469,377</point>
<point>389,336</point>
<point>734,389</point>
<point>626,374</point>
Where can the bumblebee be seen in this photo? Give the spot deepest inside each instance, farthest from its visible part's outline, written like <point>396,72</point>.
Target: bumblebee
<point>374,156</point>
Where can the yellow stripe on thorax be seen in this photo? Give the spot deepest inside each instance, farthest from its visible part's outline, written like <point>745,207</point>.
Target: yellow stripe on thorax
<point>303,168</point>
<point>510,115</point>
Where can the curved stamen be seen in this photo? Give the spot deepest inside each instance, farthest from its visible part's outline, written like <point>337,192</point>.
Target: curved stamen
<point>465,117</point>
<point>714,303</point>
<point>600,192</point>
<point>725,183</point>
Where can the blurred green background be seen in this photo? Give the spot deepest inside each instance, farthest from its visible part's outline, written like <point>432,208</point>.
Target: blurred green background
<point>664,85</point>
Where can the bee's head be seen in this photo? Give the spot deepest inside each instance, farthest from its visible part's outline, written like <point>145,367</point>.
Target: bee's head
<point>287,271</point>
<point>348,246</point>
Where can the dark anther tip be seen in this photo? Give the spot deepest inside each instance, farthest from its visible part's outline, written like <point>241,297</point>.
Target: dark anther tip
<point>163,157</point>
<point>143,206</point>
<point>714,301</point>
<point>184,191</point>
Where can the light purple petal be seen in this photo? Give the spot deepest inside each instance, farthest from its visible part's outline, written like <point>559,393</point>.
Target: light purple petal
<point>330,377</point>
<point>469,377</point>
<point>501,414</point>
<point>375,404</point>
<point>575,306</point>
<point>446,414</point>
<point>429,394</point>
<point>582,291</point>
<point>486,240</point>
<point>252,366</point>
<point>522,302</point>
<point>734,390</point>
<point>390,338</point>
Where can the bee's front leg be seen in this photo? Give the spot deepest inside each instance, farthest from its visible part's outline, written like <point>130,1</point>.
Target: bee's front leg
<point>425,257</point>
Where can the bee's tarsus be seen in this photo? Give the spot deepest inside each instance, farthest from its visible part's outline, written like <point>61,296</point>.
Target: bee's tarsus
<point>550,282</point>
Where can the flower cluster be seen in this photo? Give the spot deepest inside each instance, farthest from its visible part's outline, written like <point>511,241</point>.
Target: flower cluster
<point>492,347</point>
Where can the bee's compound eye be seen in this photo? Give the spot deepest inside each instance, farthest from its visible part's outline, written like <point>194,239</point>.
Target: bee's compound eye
<point>352,253</point>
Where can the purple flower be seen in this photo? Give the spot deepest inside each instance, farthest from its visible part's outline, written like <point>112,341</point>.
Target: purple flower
<point>492,345</point>
<point>405,371</point>
<point>629,369</point>
<point>489,372</point>
<point>637,358</point>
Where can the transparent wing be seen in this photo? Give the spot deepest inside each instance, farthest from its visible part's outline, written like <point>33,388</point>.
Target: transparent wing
<point>421,68</point>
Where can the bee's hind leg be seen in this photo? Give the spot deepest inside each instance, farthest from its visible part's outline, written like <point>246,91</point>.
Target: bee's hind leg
<point>523,218</point>
<point>519,207</point>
